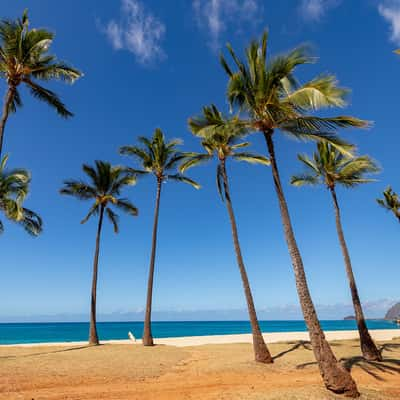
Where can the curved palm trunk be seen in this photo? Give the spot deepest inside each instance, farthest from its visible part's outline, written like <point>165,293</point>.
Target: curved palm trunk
<point>368,347</point>
<point>336,378</point>
<point>261,351</point>
<point>6,111</point>
<point>93,337</point>
<point>147,336</point>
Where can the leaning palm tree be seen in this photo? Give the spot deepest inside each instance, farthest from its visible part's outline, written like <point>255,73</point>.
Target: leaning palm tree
<point>274,101</point>
<point>24,59</point>
<point>159,158</point>
<point>330,168</point>
<point>103,189</point>
<point>390,202</point>
<point>14,187</point>
<point>222,137</point>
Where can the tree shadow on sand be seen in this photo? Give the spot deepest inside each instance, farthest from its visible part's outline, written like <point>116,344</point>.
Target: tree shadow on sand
<point>372,368</point>
<point>301,344</point>
<point>306,345</point>
<point>389,347</point>
<point>47,352</point>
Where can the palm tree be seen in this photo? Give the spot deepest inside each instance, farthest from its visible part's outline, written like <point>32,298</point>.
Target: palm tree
<point>104,188</point>
<point>14,187</point>
<point>222,137</point>
<point>159,158</point>
<point>275,101</point>
<point>390,202</point>
<point>329,167</point>
<point>24,58</point>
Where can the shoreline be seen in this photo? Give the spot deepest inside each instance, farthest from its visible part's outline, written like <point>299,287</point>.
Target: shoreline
<point>188,341</point>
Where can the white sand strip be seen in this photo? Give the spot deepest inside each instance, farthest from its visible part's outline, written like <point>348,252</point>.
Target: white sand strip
<point>274,337</point>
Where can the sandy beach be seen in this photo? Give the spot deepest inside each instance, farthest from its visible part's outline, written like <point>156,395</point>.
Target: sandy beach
<point>206,368</point>
<point>274,337</point>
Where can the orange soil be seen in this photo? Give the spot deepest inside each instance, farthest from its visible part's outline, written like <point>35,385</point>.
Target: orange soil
<point>226,372</point>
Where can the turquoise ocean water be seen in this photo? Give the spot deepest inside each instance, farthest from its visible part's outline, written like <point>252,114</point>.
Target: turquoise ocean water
<point>14,333</point>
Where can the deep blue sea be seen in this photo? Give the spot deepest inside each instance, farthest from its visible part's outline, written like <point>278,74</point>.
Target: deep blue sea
<point>13,333</point>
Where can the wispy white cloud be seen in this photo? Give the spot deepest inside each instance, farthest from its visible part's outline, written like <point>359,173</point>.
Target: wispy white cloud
<point>314,10</point>
<point>372,309</point>
<point>137,31</point>
<point>390,10</point>
<point>214,16</point>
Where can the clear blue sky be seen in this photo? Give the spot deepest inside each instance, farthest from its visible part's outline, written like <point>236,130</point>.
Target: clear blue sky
<point>154,64</point>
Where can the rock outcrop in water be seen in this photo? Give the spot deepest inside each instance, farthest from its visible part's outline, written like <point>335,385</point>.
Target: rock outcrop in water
<point>393,312</point>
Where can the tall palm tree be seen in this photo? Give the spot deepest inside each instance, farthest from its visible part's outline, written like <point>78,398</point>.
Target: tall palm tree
<point>390,202</point>
<point>14,187</point>
<point>103,188</point>
<point>222,137</point>
<point>24,59</point>
<point>330,168</point>
<point>159,158</point>
<point>275,102</point>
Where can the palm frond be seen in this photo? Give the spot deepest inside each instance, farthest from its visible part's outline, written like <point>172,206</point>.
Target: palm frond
<point>184,179</point>
<point>308,163</point>
<point>58,71</point>
<point>14,188</point>
<point>251,158</point>
<point>304,179</point>
<point>48,97</point>
<point>390,202</point>
<point>94,210</point>
<point>127,207</point>
<point>78,189</point>
<point>194,160</point>
<point>320,92</point>
<point>31,222</point>
<point>113,217</point>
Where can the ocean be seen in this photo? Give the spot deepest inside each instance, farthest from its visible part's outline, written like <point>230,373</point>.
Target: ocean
<point>17,333</point>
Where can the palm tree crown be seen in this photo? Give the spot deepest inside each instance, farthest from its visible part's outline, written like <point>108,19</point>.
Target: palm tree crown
<point>14,187</point>
<point>391,202</point>
<point>274,99</point>
<point>104,188</point>
<point>24,58</point>
<point>159,158</point>
<point>330,167</point>
<point>222,137</point>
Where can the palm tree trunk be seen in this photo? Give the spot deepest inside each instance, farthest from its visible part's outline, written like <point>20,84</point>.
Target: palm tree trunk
<point>261,351</point>
<point>368,347</point>
<point>336,378</point>
<point>147,336</point>
<point>93,337</point>
<point>6,111</point>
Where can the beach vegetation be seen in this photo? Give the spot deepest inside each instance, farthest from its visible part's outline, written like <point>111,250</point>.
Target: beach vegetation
<point>159,158</point>
<point>331,168</point>
<point>25,60</point>
<point>103,188</point>
<point>274,101</point>
<point>223,138</point>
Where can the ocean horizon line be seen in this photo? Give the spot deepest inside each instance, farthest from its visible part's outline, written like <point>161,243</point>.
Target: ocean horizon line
<point>55,332</point>
<point>179,321</point>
